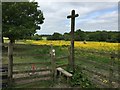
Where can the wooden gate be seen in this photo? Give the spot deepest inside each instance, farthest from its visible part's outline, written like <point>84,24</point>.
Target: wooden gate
<point>25,73</point>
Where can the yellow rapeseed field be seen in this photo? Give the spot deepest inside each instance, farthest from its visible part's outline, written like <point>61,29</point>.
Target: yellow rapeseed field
<point>102,46</point>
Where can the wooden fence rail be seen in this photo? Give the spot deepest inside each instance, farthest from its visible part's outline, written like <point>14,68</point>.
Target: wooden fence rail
<point>29,63</point>
<point>26,71</point>
<point>111,68</point>
<point>103,66</point>
<point>98,83</point>
<point>116,55</point>
<point>106,77</point>
<point>99,74</point>
<point>29,55</point>
<point>32,77</point>
<point>60,58</point>
<point>63,65</point>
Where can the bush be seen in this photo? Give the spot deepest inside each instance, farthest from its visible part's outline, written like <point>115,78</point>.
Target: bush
<point>80,79</point>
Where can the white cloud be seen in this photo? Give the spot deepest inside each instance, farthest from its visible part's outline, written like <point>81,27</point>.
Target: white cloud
<point>55,14</point>
<point>113,14</point>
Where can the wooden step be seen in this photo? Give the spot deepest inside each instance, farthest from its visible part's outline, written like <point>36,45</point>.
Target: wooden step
<point>64,72</point>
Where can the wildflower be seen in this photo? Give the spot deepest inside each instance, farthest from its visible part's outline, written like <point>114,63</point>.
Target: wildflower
<point>105,81</point>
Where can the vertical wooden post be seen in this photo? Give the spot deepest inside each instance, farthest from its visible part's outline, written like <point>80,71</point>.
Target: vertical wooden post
<point>118,57</point>
<point>10,61</point>
<point>52,52</point>
<point>111,70</point>
<point>119,71</point>
<point>72,16</point>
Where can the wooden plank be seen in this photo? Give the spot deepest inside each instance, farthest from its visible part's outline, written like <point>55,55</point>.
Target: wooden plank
<point>3,65</point>
<point>28,81</point>
<point>97,53</point>
<point>16,64</point>
<point>96,73</point>
<point>64,72</point>
<point>26,71</point>
<point>25,55</point>
<point>32,55</point>
<point>32,77</point>
<point>63,57</point>
<point>3,74</point>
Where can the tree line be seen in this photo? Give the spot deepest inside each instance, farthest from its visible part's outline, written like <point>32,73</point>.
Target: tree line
<point>79,35</point>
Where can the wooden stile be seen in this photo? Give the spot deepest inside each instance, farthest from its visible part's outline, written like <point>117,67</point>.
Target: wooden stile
<point>61,71</point>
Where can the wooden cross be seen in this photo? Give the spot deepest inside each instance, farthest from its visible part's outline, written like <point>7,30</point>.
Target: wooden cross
<point>72,16</point>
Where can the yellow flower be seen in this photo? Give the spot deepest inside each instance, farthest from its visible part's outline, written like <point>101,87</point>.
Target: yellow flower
<point>96,46</point>
<point>105,81</point>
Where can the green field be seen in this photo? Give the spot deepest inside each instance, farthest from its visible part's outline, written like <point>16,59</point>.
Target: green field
<point>29,52</point>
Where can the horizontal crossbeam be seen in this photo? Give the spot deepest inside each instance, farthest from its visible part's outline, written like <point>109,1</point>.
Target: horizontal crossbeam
<point>72,16</point>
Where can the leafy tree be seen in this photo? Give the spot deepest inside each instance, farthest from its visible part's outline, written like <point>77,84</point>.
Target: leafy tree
<point>80,35</point>
<point>109,36</point>
<point>66,36</point>
<point>36,37</point>
<point>118,37</point>
<point>57,36</point>
<point>49,37</point>
<point>98,36</point>
<point>19,21</point>
<point>103,35</point>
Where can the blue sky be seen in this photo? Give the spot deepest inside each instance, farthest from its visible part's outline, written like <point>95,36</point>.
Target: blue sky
<point>92,16</point>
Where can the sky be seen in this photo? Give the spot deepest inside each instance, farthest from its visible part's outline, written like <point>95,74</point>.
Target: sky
<point>92,16</point>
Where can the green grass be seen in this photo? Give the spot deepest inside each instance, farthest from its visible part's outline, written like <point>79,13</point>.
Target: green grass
<point>24,53</point>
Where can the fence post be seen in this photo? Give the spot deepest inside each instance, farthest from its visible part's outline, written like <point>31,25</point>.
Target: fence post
<point>119,71</point>
<point>111,70</point>
<point>10,62</point>
<point>52,53</point>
